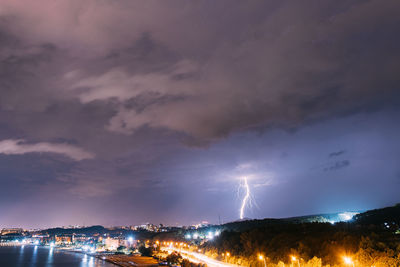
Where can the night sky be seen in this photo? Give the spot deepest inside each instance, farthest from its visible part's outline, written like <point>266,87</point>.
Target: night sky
<point>126,112</point>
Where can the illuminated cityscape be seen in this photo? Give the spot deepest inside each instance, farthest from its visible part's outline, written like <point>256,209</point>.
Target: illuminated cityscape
<point>199,133</point>
<point>197,244</point>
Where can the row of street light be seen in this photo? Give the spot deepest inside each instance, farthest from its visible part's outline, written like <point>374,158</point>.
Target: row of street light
<point>346,259</point>
<point>295,260</point>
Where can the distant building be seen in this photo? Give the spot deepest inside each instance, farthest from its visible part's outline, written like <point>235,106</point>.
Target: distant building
<point>43,239</point>
<point>148,227</point>
<point>7,231</point>
<point>64,239</point>
<point>111,243</point>
<point>81,238</point>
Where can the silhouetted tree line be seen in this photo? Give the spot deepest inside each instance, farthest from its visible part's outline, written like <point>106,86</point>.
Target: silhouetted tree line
<point>388,217</point>
<point>306,241</point>
<point>147,252</point>
<point>176,259</point>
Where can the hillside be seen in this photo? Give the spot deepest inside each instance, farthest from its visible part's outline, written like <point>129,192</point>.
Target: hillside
<point>389,217</point>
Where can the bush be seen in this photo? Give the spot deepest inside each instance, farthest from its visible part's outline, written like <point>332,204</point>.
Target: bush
<point>147,252</point>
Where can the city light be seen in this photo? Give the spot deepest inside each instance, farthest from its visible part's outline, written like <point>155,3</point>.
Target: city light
<point>348,261</point>
<point>347,216</point>
<point>262,258</point>
<point>295,259</point>
<point>210,235</point>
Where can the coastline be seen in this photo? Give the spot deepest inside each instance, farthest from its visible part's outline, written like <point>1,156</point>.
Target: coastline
<point>117,260</point>
<point>14,253</point>
<point>99,256</point>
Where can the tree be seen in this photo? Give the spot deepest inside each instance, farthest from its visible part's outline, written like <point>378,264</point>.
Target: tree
<point>147,252</point>
<point>186,263</point>
<point>121,249</point>
<point>174,258</point>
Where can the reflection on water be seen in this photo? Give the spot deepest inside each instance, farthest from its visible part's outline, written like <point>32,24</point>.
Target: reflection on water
<point>36,256</point>
<point>21,255</point>
<point>87,261</point>
<point>49,261</point>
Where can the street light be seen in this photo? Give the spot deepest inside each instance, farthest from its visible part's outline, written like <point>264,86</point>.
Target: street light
<point>227,256</point>
<point>294,259</point>
<point>348,261</point>
<point>262,258</point>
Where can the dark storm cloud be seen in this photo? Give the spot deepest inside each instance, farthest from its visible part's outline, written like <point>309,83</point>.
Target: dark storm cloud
<point>119,86</point>
<point>260,63</point>
<point>21,67</point>
<point>337,153</point>
<point>308,68</point>
<point>338,165</point>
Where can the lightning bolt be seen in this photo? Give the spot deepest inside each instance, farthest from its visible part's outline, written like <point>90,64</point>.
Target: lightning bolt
<point>245,199</point>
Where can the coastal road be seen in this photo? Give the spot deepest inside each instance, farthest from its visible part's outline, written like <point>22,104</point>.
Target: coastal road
<point>199,258</point>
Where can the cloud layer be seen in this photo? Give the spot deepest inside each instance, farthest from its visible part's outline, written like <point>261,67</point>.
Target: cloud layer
<point>259,64</point>
<point>19,147</point>
<point>156,93</point>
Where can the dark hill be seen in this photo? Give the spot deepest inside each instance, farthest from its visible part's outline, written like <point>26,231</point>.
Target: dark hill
<point>387,216</point>
<point>96,229</point>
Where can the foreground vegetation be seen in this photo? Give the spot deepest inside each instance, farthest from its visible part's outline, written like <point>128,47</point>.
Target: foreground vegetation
<point>372,239</point>
<point>315,243</point>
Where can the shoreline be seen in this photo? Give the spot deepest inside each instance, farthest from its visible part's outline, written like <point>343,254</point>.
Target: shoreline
<point>98,256</point>
<point>94,255</point>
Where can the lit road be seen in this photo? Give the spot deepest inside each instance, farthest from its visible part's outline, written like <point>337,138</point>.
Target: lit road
<point>199,258</point>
